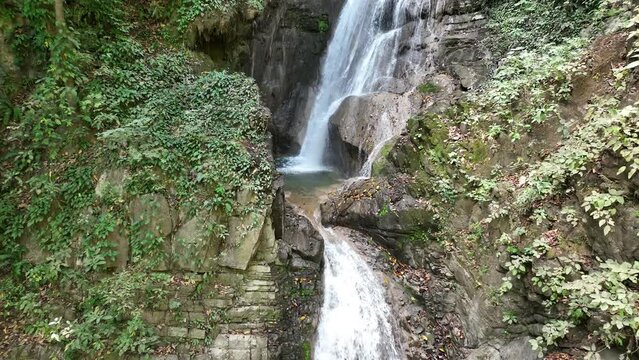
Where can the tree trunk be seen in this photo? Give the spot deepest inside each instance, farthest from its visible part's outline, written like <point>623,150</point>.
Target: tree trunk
<point>59,13</point>
<point>60,26</point>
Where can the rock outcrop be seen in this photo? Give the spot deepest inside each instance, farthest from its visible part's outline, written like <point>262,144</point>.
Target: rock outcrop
<point>457,239</point>
<point>300,279</point>
<point>438,52</point>
<point>286,51</point>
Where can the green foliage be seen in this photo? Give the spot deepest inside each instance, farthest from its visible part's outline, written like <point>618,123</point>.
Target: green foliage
<point>306,348</point>
<point>482,188</point>
<point>552,332</point>
<point>203,133</point>
<point>533,23</point>
<point>111,308</point>
<point>102,101</point>
<point>624,140</point>
<point>189,10</point>
<point>525,90</point>
<point>323,26</point>
<point>445,189</point>
<point>606,293</point>
<point>510,318</point>
<point>602,207</point>
<point>420,236</point>
<point>385,210</point>
<point>570,214</point>
<point>603,122</point>
<point>539,216</point>
<point>522,101</point>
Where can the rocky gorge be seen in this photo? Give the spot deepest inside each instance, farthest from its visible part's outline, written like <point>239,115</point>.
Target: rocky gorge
<point>477,197</point>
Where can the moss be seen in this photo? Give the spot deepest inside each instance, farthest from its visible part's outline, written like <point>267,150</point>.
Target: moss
<point>323,25</point>
<point>478,150</point>
<point>380,166</point>
<point>428,132</point>
<point>428,88</point>
<point>306,348</point>
<point>419,236</point>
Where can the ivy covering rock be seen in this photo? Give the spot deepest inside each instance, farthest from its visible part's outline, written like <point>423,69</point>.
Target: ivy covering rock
<point>123,165</point>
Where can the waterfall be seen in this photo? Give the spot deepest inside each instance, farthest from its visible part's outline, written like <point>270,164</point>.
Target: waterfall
<point>355,319</point>
<point>362,52</point>
<point>356,323</point>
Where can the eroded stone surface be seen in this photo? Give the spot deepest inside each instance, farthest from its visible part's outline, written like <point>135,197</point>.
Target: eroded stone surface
<point>242,242</point>
<point>112,182</point>
<point>195,247</point>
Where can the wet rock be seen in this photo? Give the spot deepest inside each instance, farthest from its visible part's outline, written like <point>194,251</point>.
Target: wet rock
<point>381,208</point>
<point>300,255</point>
<point>362,122</point>
<point>302,238</point>
<point>505,350</point>
<point>285,60</point>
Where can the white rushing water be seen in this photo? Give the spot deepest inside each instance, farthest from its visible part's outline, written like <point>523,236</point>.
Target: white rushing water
<point>362,53</point>
<point>355,319</point>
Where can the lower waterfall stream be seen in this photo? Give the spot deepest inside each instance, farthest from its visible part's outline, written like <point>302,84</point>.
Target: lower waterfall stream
<point>355,320</point>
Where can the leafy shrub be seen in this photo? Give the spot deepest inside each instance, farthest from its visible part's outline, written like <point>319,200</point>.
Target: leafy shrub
<point>602,207</point>
<point>189,10</point>
<point>603,122</point>
<point>533,23</point>
<point>605,294</point>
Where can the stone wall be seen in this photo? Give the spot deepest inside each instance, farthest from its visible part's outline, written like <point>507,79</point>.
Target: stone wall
<point>233,313</point>
<point>255,295</point>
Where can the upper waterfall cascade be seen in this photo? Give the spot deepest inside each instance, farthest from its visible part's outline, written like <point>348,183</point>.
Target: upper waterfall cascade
<point>361,55</point>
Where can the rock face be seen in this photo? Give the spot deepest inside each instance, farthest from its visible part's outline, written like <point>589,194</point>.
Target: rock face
<point>437,52</point>
<point>291,37</point>
<point>460,26</point>
<point>462,267</point>
<point>286,51</point>
<point>300,278</point>
<point>361,123</point>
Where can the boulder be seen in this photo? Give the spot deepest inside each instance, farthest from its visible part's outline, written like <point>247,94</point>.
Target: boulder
<point>301,242</point>
<point>302,238</point>
<point>363,122</point>
<point>382,208</point>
